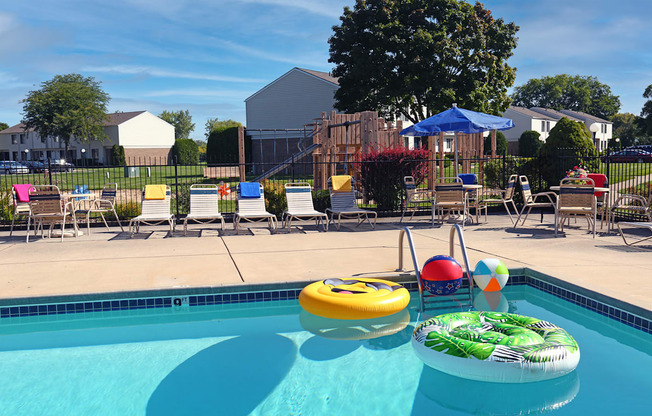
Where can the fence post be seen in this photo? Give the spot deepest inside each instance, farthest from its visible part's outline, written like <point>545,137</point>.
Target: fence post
<point>176,181</point>
<point>50,171</point>
<point>293,167</point>
<point>504,173</point>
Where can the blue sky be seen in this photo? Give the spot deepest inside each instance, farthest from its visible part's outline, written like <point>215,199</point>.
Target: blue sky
<point>208,56</point>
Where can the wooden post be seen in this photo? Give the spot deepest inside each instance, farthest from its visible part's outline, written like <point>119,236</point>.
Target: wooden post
<point>432,171</point>
<point>493,143</point>
<point>241,152</point>
<point>441,156</point>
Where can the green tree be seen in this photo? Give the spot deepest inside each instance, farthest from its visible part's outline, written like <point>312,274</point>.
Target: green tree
<point>418,57</point>
<point>3,126</point>
<point>222,146</point>
<point>626,128</point>
<point>501,144</point>
<point>646,112</point>
<point>216,124</point>
<point>68,106</point>
<point>529,143</point>
<point>182,122</point>
<point>118,155</point>
<point>568,92</point>
<point>186,152</point>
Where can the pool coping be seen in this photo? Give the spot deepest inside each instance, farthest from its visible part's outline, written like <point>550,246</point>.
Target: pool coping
<point>629,314</point>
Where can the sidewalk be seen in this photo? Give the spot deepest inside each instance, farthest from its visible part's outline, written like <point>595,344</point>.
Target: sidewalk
<point>111,262</point>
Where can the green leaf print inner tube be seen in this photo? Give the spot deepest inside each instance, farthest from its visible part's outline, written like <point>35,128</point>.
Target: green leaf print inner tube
<point>496,347</point>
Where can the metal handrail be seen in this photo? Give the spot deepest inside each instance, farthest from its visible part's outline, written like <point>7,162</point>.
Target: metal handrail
<point>406,231</point>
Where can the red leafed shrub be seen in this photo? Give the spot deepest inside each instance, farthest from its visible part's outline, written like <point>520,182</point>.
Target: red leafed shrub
<point>382,174</point>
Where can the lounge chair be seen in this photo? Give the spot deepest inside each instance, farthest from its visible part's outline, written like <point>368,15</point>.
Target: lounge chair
<point>251,206</point>
<point>415,198</point>
<point>645,225</point>
<point>576,197</point>
<point>449,198</point>
<point>629,204</point>
<point>344,203</point>
<point>301,207</point>
<point>47,207</point>
<point>20,194</point>
<point>540,200</point>
<point>155,209</point>
<point>204,206</point>
<point>497,196</point>
<point>104,204</point>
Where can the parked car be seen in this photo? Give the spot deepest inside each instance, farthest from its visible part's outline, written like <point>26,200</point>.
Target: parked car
<point>646,147</point>
<point>629,155</point>
<point>35,166</point>
<point>59,165</point>
<point>11,166</point>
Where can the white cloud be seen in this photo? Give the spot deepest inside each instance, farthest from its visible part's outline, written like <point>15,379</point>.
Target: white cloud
<point>163,73</point>
<point>328,8</point>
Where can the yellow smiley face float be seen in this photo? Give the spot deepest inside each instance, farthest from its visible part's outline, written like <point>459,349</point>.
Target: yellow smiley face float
<point>354,298</point>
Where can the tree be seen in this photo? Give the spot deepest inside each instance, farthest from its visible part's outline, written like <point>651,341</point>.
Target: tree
<point>417,57</point>
<point>529,143</point>
<point>566,92</point>
<point>568,144</point>
<point>67,106</point>
<point>501,144</point>
<point>646,112</point>
<point>626,128</point>
<point>216,124</point>
<point>3,126</point>
<point>182,122</point>
<point>118,155</point>
<point>222,146</point>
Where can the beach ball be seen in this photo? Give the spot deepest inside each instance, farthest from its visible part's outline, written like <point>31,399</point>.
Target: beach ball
<point>490,275</point>
<point>441,275</point>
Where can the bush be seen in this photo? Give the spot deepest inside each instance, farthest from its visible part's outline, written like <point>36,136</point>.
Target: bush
<point>321,199</point>
<point>222,146</point>
<point>118,156</point>
<point>128,210</point>
<point>186,152</point>
<point>529,143</point>
<point>6,206</point>
<point>569,144</point>
<point>275,198</point>
<point>493,171</point>
<point>382,174</point>
<point>501,144</point>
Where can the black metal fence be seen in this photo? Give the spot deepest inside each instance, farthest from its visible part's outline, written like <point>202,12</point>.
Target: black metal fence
<point>624,177</point>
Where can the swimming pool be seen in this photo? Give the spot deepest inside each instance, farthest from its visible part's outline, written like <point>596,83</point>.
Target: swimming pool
<point>267,358</point>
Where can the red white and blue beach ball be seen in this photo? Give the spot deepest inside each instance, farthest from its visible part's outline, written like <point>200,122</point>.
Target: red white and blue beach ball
<point>441,275</point>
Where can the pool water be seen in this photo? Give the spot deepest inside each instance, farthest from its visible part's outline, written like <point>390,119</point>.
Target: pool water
<point>269,358</point>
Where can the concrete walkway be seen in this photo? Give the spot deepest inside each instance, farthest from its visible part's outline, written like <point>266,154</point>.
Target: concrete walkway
<point>108,262</point>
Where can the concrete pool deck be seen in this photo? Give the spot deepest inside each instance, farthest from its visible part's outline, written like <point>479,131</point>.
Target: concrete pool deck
<point>107,262</point>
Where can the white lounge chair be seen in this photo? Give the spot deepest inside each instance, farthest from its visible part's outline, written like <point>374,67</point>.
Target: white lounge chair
<point>645,225</point>
<point>344,204</point>
<point>300,206</point>
<point>204,206</point>
<point>155,209</point>
<point>251,206</point>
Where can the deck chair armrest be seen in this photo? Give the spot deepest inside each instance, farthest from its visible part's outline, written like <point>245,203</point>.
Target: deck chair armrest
<point>552,197</point>
<point>630,198</point>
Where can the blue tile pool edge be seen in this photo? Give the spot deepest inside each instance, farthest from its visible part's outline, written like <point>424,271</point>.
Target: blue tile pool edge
<point>618,310</point>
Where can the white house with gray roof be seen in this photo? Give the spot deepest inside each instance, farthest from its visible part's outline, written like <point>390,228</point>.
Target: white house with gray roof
<point>525,119</point>
<point>600,129</point>
<point>146,138</point>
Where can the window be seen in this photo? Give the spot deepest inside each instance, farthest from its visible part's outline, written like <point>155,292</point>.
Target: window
<point>95,154</point>
<point>543,125</point>
<point>14,139</point>
<point>56,139</point>
<point>22,139</point>
<point>547,126</point>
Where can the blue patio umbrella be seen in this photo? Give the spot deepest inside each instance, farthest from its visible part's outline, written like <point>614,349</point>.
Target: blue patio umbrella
<point>458,120</point>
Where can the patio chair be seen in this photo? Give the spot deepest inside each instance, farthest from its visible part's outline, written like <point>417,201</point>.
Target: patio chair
<point>474,196</point>
<point>449,198</point>
<point>105,203</point>
<point>204,206</point>
<point>344,203</point>
<point>47,207</point>
<point>155,209</point>
<point>415,198</point>
<point>644,225</point>
<point>540,200</point>
<point>20,197</point>
<point>251,206</point>
<point>301,207</point>
<point>632,204</point>
<point>601,181</point>
<point>576,197</point>
<point>498,196</point>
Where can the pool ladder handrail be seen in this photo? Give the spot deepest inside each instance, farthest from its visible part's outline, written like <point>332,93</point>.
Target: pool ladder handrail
<point>406,231</point>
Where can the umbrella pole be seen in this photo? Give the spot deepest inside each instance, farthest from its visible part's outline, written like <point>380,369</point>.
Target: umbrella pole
<point>456,164</point>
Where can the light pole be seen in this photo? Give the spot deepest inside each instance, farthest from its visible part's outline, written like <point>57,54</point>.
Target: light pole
<point>618,142</point>
<point>83,151</point>
<point>26,152</point>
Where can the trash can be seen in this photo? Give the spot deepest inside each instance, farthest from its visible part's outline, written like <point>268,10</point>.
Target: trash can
<point>132,171</point>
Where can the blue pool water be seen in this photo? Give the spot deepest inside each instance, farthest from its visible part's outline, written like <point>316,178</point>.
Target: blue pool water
<point>269,358</point>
